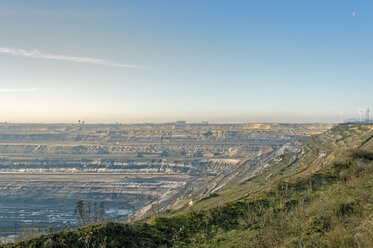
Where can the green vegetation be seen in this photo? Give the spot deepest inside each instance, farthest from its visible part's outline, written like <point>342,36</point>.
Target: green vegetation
<point>86,215</point>
<point>304,200</point>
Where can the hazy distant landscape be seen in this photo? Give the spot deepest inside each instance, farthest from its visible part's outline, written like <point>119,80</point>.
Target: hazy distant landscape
<point>133,169</point>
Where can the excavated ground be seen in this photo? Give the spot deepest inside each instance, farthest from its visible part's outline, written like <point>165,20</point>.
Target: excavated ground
<point>133,169</point>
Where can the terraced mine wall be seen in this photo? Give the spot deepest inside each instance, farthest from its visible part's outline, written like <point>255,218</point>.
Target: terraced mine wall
<point>134,170</point>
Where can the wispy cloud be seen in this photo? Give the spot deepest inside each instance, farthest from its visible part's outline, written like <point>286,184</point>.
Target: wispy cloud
<point>18,90</point>
<point>41,55</point>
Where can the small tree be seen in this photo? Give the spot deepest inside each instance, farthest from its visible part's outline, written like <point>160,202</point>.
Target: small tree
<point>50,229</point>
<point>101,213</point>
<point>95,212</point>
<point>85,214</point>
<point>88,214</point>
<point>79,211</point>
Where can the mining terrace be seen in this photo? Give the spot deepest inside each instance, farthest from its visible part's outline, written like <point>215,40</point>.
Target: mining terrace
<point>133,169</point>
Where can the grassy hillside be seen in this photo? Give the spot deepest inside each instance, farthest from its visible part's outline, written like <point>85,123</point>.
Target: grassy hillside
<point>320,197</point>
<point>333,143</point>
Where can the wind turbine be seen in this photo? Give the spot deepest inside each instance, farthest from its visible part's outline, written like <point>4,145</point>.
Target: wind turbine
<point>361,114</point>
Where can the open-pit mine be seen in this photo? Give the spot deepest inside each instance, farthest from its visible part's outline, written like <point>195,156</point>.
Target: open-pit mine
<point>133,170</point>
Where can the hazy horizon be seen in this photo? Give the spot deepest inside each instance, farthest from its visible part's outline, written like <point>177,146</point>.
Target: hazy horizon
<point>161,61</point>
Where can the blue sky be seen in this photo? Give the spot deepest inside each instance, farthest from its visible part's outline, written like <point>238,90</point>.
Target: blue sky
<point>155,61</point>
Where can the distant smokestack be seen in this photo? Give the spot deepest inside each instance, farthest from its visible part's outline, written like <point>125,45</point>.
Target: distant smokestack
<point>361,114</point>
<point>368,117</point>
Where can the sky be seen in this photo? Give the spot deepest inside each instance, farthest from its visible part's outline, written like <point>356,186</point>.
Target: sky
<point>223,61</point>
